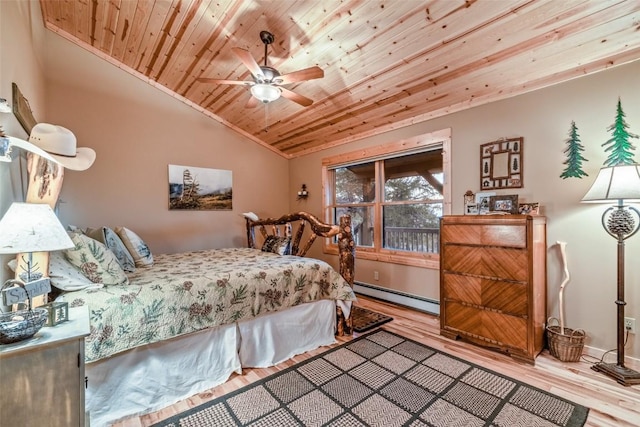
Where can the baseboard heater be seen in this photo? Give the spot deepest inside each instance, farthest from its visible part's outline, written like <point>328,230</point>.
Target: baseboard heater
<point>419,303</point>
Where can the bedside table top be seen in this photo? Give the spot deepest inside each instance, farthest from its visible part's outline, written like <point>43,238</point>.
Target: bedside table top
<point>76,327</point>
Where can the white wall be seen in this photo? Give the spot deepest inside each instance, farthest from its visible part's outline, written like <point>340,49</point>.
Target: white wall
<point>543,118</point>
<point>137,131</point>
<point>21,33</point>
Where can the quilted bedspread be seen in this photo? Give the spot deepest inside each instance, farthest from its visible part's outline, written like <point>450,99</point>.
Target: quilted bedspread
<point>186,292</point>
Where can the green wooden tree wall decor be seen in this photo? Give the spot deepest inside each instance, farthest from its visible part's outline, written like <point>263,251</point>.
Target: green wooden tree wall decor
<point>574,156</point>
<point>619,147</point>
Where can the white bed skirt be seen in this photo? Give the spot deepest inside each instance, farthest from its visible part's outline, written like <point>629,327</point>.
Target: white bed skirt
<point>154,376</point>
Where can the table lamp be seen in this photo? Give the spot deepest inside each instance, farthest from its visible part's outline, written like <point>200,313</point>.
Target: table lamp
<point>26,228</point>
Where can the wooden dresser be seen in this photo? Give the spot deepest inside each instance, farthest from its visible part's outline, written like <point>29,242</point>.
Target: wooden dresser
<point>493,281</point>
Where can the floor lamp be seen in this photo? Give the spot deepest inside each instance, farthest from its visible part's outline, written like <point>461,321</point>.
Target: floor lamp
<point>619,183</point>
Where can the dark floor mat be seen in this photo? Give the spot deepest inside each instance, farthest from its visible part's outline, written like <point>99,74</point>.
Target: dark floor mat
<point>364,319</point>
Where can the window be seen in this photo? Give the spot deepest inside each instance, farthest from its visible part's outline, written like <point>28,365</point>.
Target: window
<point>395,197</point>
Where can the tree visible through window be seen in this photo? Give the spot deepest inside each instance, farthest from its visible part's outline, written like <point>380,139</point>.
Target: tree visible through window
<point>395,202</point>
<point>355,194</point>
<point>412,203</point>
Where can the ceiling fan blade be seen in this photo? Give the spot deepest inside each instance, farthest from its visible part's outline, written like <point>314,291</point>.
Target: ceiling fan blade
<point>301,75</point>
<point>223,82</point>
<point>302,100</point>
<point>246,58</point>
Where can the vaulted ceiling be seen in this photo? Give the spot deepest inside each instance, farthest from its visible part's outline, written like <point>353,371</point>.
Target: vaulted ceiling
<point>387,64</point>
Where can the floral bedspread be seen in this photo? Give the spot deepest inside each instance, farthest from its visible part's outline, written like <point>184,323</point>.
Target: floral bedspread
<point>186,292</point>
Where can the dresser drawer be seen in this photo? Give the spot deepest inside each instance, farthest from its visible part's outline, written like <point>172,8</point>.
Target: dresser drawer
<point>511,235</point>
<point>492,262</point>
<point>505,330</point>
<point>506,297</point>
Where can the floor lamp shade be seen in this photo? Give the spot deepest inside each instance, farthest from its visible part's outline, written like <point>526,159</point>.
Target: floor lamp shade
<point>615,183</point>
<point>618,183</point>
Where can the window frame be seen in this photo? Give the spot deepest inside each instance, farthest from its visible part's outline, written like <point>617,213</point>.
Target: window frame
<point>412,145</point>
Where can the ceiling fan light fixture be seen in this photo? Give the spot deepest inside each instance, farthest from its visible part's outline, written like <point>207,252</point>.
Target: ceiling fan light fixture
<point>265,93</point>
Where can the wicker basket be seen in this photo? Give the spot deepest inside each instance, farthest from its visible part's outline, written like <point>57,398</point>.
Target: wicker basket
<point>568,346</point>
<point>21,324</point>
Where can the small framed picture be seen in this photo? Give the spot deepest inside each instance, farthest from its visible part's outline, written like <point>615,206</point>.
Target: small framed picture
<point>506,204</point>
<point>531,208</point>
<point>482,201</point>
<point>470,207</point>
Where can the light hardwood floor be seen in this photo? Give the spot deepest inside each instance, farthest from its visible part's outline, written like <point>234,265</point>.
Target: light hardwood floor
<point>611,404</point>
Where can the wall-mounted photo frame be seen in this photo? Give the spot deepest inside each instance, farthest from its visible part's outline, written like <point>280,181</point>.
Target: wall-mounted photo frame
<point>531,208</point>
<point>193,188</point>
<point>501,164</point>
<point>482,201</point>
<point>504,204</point>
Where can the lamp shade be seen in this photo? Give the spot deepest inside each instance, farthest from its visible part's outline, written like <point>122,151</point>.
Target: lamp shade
<point>621,182</point>
<point>32,227</point>
<point>265,93</point>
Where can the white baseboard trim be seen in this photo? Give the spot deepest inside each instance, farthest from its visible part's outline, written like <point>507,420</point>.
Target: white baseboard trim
<point>597,353</point>
<point>408,300</point>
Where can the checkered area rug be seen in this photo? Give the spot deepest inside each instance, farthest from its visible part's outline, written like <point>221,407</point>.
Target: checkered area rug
<point>383,379</point>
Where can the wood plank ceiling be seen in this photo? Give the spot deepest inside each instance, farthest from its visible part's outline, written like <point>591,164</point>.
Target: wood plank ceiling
<point>387,64</point>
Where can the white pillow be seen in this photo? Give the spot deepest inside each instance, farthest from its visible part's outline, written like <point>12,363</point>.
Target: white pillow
<point>136,246</point>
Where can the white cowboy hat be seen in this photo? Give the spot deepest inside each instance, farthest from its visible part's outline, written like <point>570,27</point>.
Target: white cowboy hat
<point>8,142</point>
<point>60,143</point>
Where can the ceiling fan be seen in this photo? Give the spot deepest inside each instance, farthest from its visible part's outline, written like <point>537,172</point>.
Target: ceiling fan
<point>267,81</point>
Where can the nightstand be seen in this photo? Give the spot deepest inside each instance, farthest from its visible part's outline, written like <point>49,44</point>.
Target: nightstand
<point>43,379</point>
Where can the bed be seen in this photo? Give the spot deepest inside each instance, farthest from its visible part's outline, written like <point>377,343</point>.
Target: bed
<point>191,320</point>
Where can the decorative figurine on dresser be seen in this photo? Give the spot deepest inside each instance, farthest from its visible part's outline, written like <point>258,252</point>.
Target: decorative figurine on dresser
<point>493,282</point>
